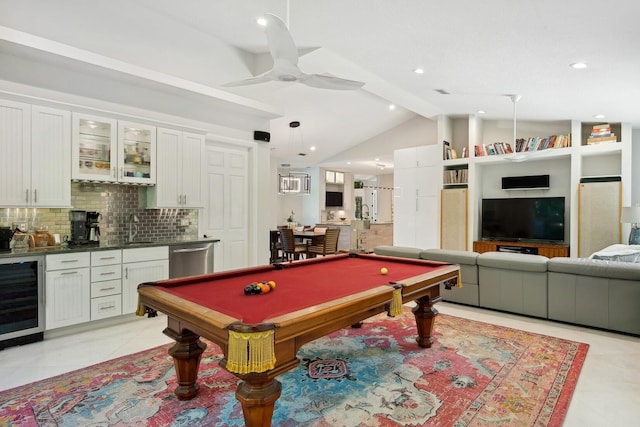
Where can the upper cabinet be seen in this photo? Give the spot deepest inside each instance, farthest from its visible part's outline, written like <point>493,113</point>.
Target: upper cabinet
<point>108,150</point>
<point>137,143</point>
<point>334,177</point>
<point>94,152</point>
<point>34,165</point>
<point>180,182</point>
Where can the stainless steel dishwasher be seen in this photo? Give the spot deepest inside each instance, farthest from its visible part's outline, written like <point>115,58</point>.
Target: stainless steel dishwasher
<point>190,259</point>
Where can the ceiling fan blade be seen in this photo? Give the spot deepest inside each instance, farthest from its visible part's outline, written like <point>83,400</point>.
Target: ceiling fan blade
<point>253,81</point>
<point>330,82</point>
<point>281,44</point>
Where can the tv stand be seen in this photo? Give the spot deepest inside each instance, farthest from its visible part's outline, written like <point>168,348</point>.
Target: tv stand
<point>548,250</point>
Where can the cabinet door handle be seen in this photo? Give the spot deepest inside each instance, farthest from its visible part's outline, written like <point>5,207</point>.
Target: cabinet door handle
<point>107,289</point>
<point>108,307</point>
<point>185,200</point>
<point>107,257</point>
<point>66,273</point>
<point>126,273</point>
<point>26,195</point>
<point>69,260</point>
<point>122,172</point>
<point>108,273</point>
<point>113,171</point>
<point>35,196</point>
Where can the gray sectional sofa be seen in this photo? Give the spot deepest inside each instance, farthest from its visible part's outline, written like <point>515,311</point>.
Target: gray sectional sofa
<point>591,292</point>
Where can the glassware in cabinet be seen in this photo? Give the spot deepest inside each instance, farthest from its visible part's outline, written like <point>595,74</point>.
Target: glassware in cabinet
<point>137,144</point>
<point>94,156</point>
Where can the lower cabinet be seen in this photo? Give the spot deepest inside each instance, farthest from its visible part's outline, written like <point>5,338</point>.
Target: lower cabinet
<point>141,265</point>
<point>85,286</point>
<point>67,290</point>
<point>106,284</point>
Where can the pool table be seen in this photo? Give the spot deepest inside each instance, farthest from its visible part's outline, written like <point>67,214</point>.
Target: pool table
<point>260,335</point>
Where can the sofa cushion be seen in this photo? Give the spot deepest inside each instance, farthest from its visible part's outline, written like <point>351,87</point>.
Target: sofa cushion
<point>511,261</point>
<point>595,268</point>
<point>450,255</point>
<point>397,251</point>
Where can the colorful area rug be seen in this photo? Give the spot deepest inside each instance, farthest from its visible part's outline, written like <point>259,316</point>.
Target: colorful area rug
<point>474,374</point>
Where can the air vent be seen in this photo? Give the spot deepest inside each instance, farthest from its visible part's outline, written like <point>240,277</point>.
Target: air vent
<point>442,92</point>
<point>285,165</point>
<point>302,154</point>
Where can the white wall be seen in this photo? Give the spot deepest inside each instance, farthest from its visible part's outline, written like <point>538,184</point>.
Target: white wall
<point>412,133</point>
<point>635,179</point>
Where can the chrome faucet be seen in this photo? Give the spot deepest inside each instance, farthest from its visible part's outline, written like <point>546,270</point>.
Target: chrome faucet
<point>133,227</point>
<point>363,214</point>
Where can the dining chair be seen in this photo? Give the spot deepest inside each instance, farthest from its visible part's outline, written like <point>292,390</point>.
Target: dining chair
<point>290,249</point>
<point>328,246</point>
<point>275,246</point>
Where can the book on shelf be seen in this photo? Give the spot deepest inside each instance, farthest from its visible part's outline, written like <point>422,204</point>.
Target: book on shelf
<point>600,139</point>
<point>448,151</point>
<point>538,143</point>
<point>455,176</point>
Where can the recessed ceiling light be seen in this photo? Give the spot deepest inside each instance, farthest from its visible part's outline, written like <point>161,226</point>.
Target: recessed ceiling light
<point>262,21</point>
<point>418,70</point>
<point>578,65</point>
<point>598,116</point>
<point>377,159</point>
<point>348,163</point>
<point>392,107</point>
<point>312,148</point>
<point>480,112</point>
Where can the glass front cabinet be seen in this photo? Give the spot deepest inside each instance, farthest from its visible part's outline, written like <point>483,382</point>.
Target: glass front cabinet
<point>107,150</point>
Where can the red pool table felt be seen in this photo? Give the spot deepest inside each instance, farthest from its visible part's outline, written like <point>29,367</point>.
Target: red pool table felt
<point>299,285</point>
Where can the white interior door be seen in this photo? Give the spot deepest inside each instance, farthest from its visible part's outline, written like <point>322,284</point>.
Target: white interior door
<point>226,216</point>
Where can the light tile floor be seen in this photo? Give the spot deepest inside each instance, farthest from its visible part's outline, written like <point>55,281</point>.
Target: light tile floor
<point>607,394</point>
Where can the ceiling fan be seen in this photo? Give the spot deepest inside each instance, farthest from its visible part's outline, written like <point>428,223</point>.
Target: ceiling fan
<point>285,62</point>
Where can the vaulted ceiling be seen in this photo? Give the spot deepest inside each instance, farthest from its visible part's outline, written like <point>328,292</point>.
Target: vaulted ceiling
<point>476,52</point>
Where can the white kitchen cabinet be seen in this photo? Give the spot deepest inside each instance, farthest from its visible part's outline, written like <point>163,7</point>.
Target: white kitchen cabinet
<point>106,284</point>
<point>415,198</point>
<point>137,153</point>
<point>67,290</point>
<point>141,265</point>
<point>34,160</point>
<point>180,181</point>
<point>107,150</point>
<point>334,177</point>
<point>94,153</point>
<point>50,161</point>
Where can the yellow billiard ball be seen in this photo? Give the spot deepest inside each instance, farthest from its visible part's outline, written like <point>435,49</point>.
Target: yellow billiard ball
<point>383,270</point>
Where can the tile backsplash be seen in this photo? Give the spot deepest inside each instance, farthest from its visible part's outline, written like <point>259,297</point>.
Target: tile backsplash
<point>116,203</point>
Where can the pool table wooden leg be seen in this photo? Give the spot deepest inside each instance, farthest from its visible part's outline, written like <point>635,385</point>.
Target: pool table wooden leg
<point>258,399</point>
<point>425,314</point>
<point>186,353</point>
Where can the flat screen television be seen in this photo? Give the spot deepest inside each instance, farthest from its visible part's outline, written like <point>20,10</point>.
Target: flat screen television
<point>523,219</point>
<point>333,198</point>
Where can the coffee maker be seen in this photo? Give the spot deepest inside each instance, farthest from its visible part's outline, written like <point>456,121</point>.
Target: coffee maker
<point>6,233</point>
<point>78,227</point>
<point>93,227</point>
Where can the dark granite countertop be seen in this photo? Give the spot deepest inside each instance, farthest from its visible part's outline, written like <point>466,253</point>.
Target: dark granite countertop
<point>61,249</point>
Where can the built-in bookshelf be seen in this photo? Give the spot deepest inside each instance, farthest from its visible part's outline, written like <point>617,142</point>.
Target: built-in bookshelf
<point>600,133</point>
<point>455,176</point>
<point>565,149</point>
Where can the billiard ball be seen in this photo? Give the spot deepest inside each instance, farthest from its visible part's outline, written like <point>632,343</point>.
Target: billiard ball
<point>383,270</point>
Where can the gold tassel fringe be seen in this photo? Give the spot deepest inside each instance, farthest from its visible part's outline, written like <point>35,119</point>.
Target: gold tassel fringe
<point>251,352</point>
<point>395,308</point>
